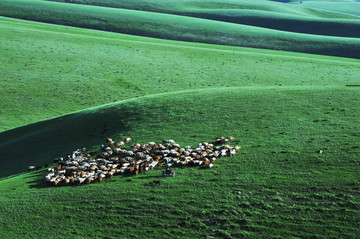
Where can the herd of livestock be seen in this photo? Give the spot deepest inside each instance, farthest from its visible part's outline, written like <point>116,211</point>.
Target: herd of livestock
<point>80,167</point>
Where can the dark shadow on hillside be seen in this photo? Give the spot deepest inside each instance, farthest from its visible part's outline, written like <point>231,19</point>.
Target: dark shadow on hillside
<point>37,180</point>
<point>40,143</point>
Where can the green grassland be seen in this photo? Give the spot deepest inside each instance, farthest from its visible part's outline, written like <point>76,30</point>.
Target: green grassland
<point>279,183</point>
<point>178,27</point>
<point>285,17</point>
<point>50,70</point>
<point>350,7</point>
<point>63,88</point>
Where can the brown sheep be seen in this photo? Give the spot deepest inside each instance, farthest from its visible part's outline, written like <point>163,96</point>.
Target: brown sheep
<point>109,175</point>
<point>144,157</point>
<point>120,144</point>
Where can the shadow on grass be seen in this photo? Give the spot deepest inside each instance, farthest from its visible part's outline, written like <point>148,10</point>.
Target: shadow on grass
<point>86,128</point>
<point>37,180</point>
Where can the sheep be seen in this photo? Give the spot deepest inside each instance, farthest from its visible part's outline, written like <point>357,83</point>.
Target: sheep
<point>153,164</point>
<point>55,182</point>
<point>139,158</point>
<point>126,165</point>
<point>111,143</point>
<point>139,155</point>
<point>31,168</point>
<point>161,147</point>
<point>117,151</point>
<point>81,180</point>
<point>232,152</point>
<point>109,175</point>
<point>89,180</point>
<point>206,161</point>
<point>61,172</point>
<point>66,180</point>
<point>130,153</point>
<point>120,144</point>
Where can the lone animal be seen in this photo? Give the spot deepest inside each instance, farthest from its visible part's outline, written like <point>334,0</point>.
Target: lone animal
<point>31,168</point>
<point>156,182</point>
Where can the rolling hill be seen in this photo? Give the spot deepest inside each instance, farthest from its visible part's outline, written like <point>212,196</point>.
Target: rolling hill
<point>49,70</point>
<point>227,28</point>
<point>286,17</point>
<point>64,87</point>
<point>279,184</point>
<point>120,67</point>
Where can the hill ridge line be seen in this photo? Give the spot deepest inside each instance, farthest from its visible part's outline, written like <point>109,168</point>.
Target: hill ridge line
<point>251,27</point>
<point>281,88</point>
<point>197,45</point>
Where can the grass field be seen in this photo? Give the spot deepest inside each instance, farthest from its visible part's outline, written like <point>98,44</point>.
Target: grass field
<point>279,184</point>
<point>63,88</point>
<point>287,17</point>
<point>54,64</point>
<point>200,29</point>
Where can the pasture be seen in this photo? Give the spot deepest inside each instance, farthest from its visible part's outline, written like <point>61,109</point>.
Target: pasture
<point>278,184</point>
<point>334,36</point>
<point>56,65</point>
<point>63,87</point>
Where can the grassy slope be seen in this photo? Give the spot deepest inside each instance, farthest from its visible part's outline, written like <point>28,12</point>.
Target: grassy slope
<point>278,185</point>
<point>49,70</point>
<point>350,8</point>
<point>176,27</point>
<point>285,17</point>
